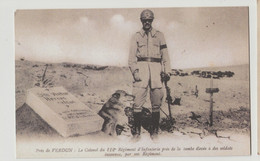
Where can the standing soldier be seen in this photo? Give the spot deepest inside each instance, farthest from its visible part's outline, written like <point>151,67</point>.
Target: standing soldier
<point>148,60</point>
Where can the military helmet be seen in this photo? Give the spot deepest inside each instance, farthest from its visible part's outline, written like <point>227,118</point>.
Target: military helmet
<point>147,14</point>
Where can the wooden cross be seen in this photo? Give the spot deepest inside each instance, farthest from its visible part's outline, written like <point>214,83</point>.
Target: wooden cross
<point>211,90</point>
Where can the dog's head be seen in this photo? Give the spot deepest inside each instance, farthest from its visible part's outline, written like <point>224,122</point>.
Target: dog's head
<point>122,97</point>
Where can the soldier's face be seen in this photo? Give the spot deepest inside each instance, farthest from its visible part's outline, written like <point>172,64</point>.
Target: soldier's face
<point>147,23</point>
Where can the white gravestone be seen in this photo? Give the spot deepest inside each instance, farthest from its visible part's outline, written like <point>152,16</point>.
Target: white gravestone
<point>63,111</point>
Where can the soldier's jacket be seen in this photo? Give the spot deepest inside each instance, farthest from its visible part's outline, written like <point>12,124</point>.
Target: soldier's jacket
<point>151,45</point>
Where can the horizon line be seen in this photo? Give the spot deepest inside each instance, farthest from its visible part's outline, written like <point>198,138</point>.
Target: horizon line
<point>19,59</point>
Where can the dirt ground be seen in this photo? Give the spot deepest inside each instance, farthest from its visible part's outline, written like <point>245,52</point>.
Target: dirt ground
<point>94,85</point>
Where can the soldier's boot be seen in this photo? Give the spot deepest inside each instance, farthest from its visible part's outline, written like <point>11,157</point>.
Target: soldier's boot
<point>136,129</point>
<point>155,125</point>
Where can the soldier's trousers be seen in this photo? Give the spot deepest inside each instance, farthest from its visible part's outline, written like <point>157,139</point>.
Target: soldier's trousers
<point>156,96</point>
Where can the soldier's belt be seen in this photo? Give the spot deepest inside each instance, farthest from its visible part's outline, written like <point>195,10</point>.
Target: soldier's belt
<point>147,59</point>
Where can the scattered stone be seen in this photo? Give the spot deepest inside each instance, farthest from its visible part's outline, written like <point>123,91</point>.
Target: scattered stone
<point>63,75</point>
<point>195,117</point>
<point>37,84</point>
<point>66,65</point>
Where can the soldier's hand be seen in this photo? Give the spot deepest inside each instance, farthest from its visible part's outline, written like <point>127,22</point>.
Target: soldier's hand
<point>165,76</point>
<point>136,76</point>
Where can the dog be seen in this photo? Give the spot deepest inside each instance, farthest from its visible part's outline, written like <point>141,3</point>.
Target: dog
<point>117,113</point>
<point>114,112</point>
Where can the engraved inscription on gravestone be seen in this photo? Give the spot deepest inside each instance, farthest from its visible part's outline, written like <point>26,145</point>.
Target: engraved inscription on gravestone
<point>63,111</point>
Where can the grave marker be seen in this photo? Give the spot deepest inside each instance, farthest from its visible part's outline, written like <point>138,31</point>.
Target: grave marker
<point>63,111</point>
<point>211,90</point>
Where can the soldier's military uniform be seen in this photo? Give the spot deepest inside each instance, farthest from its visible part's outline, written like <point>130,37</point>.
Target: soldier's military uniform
<point>148,57</point>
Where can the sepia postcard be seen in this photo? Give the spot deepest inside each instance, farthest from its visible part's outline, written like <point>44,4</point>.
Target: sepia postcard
<point>132,82</point>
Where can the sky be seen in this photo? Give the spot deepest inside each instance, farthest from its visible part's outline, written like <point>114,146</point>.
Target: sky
<point>196,37</point>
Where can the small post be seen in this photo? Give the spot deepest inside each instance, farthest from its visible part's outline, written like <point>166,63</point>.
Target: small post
<point>211,104</point>
<point>211,90</point>
<point>43,76</point>
<point>196,91</point>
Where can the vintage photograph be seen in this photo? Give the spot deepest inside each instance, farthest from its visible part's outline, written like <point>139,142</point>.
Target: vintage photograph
<point>132,82</point>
